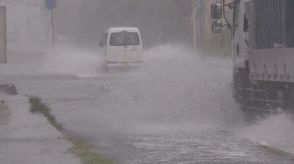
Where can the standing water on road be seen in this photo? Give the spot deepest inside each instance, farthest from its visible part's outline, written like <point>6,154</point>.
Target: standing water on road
<point>176,108</point>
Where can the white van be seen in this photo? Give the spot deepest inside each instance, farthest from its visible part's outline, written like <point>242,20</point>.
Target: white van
<point>122,46</point>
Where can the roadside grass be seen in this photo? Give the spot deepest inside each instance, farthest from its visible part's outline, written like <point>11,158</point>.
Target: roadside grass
<point>80,149</point>
<point>86,154</point>
<point>277,151</point>
<point>37,106</point>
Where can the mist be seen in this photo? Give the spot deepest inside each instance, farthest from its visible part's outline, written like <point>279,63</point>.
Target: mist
<point>84,22</point>
<point>174,88</point>
<point>180,98</point>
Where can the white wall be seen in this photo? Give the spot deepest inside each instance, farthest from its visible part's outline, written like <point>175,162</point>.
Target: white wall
<point>28,25</point>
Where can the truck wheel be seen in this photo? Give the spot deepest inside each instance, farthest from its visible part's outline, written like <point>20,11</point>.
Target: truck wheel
<point>290,99</point>
<point>241,83</point>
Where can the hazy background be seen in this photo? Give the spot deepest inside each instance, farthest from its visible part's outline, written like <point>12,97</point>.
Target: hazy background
<point>83,22</point>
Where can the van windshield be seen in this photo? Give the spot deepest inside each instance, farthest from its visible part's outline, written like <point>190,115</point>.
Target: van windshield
<point>124,39</point>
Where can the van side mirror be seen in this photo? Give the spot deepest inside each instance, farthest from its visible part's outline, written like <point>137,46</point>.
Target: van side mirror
<point>216,10</point>
<point>217,26</point>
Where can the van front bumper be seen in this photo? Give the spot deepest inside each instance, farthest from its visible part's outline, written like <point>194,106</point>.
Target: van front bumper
<point>124,63</point>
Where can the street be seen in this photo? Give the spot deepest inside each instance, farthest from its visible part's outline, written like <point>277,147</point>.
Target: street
<point>176,108</point>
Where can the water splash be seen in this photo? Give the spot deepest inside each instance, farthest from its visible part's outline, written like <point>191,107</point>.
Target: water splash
<point>275,131</point>
<point>72,61</point>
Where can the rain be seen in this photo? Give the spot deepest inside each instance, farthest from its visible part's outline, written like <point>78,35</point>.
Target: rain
<point>177,106</point>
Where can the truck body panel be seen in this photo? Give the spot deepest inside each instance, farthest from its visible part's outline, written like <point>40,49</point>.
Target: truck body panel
<point>272,64</point>
<point>271,52</point>
<point>263,54</point>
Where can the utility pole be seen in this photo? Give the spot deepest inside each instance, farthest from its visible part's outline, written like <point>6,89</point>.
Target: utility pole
<point>50,5</point>
<point>53,29</point>
<point>195,12</point>
<point>3,35</point>
<point>195,26</point>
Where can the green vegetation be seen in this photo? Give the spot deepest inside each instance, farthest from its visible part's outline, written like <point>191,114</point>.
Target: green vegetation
<point>37,106</point>
<point>277,151</point>
<point>80,149</point>
<point>86,154</point>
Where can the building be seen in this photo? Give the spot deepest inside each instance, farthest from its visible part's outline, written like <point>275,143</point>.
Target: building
<point>25,26</point>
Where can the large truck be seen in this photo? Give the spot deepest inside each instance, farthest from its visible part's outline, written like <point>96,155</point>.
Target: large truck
<point>263,52</point>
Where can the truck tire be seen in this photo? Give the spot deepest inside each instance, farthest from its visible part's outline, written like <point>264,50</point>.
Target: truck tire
<point>241,83</point>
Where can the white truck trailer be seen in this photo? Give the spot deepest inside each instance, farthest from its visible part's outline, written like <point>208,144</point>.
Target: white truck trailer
<point>263,52</point>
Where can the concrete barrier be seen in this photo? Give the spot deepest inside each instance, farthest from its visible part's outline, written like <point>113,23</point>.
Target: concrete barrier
<point>9,89</point>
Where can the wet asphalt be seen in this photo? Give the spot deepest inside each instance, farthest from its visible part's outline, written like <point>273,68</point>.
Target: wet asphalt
<point>176,108</point>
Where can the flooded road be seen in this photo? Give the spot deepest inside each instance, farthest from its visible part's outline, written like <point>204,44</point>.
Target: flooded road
<point>176,108</point>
